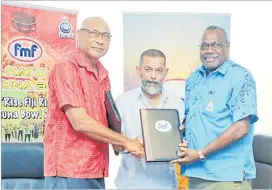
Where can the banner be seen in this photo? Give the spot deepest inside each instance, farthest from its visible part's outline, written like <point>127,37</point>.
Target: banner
<point>33,39</point>
<point>178,36</point>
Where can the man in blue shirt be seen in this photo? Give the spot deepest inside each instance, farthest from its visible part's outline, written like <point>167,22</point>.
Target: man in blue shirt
<point>220,109</point>
<point>135,173</point>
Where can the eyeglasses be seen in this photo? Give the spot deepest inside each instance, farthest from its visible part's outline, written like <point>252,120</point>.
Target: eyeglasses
<point>214,46</point>
<point>95,34</point>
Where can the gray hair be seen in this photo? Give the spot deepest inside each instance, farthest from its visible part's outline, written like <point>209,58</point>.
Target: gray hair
<point>218,28</point>
<point>152,53</point>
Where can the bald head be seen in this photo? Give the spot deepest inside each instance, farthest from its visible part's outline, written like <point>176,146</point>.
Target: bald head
<point>94,37</point>
<point>94,23</point>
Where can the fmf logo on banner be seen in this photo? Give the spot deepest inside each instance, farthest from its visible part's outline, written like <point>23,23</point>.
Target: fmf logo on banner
<point>25,50</point>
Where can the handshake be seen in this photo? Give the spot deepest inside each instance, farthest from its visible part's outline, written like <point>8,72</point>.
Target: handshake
<point>136,146</point>
<point>133,146</point>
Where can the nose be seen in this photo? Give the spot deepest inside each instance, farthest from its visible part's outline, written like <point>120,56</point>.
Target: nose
<point>153,75</point>
<point>99,40</point>
<point>209,50</point>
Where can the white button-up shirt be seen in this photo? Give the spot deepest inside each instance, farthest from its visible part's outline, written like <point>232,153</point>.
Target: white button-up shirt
<point>134,172</point>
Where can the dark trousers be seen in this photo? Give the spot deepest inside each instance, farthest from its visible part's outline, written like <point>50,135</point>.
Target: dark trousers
<point>73,183</point>
<point>20,133</point>
<point>27,136</point>
<point>7,136</point>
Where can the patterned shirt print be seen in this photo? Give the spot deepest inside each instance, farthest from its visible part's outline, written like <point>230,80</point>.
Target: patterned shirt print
<point>69,153</point>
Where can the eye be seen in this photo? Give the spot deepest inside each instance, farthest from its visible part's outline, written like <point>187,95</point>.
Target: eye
<point>217,46</point>
<point>204,46</point>
<point>106,35</point>
<point>94,33</point>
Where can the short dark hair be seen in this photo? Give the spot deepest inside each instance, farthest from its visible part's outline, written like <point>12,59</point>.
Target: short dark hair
<point>152,53</point>
<point>218,28</point>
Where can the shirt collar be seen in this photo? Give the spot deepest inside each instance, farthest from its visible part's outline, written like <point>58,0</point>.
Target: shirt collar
<point>221,69</point>
<point>83,61</point>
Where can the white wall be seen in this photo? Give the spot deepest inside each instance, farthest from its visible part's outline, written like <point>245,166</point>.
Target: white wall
<point>251,41</point>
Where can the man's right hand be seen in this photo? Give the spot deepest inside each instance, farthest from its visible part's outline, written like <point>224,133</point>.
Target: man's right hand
<point>135,147</point>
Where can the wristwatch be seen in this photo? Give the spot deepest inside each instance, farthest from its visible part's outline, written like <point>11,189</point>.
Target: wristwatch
<point>202,158</point>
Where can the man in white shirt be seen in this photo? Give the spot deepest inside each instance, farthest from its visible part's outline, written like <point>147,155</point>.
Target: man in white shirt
<point>135,173</point>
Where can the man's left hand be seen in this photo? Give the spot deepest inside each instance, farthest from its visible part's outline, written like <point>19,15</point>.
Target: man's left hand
<point>187,156</point>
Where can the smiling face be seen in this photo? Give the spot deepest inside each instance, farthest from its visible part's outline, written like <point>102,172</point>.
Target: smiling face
<point>214,49</point>
<point>94,37</point>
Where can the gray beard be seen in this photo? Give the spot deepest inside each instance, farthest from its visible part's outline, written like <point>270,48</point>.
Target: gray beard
<point>151,90</point>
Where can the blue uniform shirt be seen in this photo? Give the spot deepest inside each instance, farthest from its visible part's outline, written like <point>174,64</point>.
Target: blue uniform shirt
<point>213,103</point>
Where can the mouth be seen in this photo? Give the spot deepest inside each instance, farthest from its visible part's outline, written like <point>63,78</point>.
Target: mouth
<point>97,49</point>
<point>152,83</point>
<point>210,58</point>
